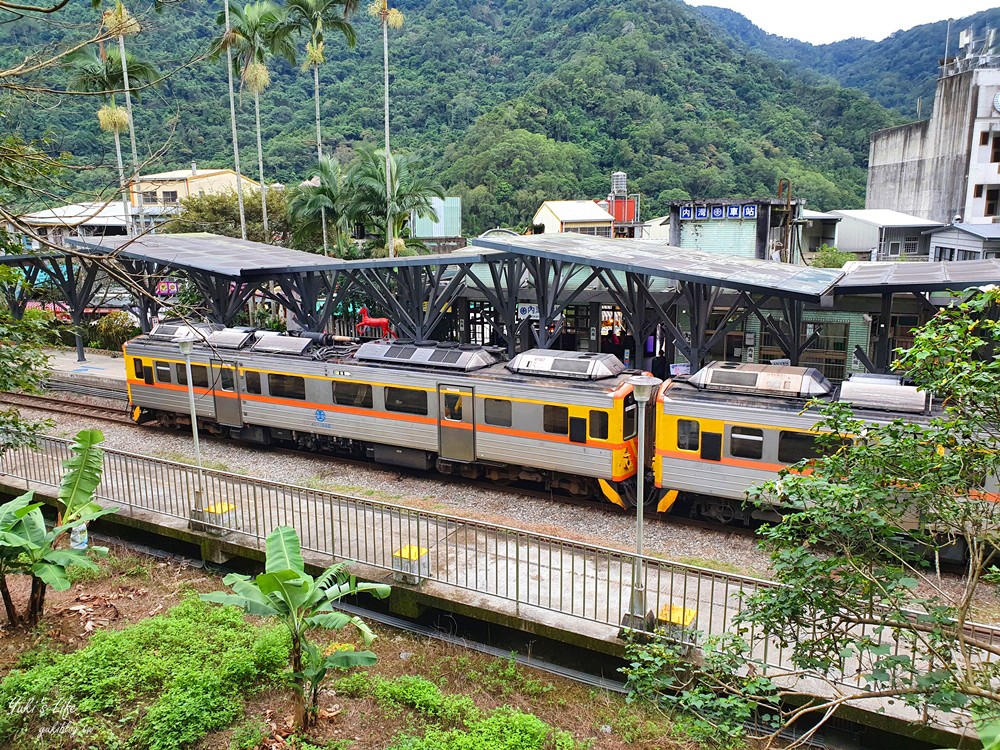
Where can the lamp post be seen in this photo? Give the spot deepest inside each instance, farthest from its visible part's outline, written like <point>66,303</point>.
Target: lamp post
<point>642,388</point>
<point>186,345</point>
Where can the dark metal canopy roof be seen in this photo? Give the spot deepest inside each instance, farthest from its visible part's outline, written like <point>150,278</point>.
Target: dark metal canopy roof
<point>242,259</point>
<point>656,258</point>
<point>864,277</point>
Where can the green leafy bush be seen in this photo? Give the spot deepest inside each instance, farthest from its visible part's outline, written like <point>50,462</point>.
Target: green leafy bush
<point>505,729</point>
<point>113,330</point>
<point>157,685</point>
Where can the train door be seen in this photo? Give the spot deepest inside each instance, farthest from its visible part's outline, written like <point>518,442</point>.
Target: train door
<point>227,396</point>
<point>456,426</point>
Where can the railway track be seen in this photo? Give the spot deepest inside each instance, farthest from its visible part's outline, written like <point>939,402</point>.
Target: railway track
<point>62,406</point>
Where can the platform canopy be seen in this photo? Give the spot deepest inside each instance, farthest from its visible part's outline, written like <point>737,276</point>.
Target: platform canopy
<point>658,259</point>
<point>865,277</point>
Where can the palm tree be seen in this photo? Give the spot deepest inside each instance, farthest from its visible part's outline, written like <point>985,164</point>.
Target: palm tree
<point>313,16</point>
<point>258,30</point>
<point>320,203</point>
<point>100,71</point>
<point>120,23</point>
<point>227,34</point>
<point>385,200</point>
<point>387,17</point>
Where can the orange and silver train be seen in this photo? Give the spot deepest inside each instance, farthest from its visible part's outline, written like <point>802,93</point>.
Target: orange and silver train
<point>565,420</point>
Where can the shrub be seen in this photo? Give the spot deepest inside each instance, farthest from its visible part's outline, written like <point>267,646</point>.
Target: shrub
<point>157,685</point>
<point>114,329</point>
<point>505,729</point>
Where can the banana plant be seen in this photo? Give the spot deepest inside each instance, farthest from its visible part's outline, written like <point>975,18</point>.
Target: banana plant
<point>298,601</point>
<point>29,547</point>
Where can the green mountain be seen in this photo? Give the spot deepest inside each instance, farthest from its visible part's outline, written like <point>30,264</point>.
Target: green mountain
<point>508,103</point>
<point>896,71</point>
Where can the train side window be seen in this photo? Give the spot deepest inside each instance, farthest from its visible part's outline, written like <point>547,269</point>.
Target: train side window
<point>137,367</point>
<point>352,394</point>
<point>497,412</point>
<point>555,419</point>
<point>406,400</point>
<point>796,446</point>
<point>286,386</point>
<point>688,434</point>
<point>226,379</point>
<point>629,423</point>
<point>252,381</point>
<point>199,375</point>
<point>598,424</point>
<point>746,442</point>
<point>162,372</point>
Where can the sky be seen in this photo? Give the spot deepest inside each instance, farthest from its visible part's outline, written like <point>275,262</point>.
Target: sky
<point>823,21</point>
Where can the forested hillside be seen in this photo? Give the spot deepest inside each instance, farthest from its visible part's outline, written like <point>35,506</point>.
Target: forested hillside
<point>896,71</point>
<point>507,102</point>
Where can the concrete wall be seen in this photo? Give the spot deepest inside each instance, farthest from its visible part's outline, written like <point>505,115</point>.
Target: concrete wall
<point>920,168</point>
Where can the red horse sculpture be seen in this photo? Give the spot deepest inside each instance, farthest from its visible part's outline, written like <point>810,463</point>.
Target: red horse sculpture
<point>381,324</point>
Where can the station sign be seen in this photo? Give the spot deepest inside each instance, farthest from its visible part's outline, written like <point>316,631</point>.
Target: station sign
<point>718,211</point>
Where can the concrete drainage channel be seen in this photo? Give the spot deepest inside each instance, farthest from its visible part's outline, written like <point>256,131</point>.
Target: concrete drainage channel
<point>531,650</point>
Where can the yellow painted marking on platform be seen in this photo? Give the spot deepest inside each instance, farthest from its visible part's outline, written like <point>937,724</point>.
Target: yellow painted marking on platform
<point>675,615</point>
<point>410,552</point>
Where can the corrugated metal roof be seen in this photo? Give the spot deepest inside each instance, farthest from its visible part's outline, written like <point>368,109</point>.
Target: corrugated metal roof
<point>576,211</point>
<point>657,258</point>
<point>180,174</point>
<point>79,214</point>
<point>983,231</point>
<point>884,217</point>
<point>955,275</point>
<point>817,215</point>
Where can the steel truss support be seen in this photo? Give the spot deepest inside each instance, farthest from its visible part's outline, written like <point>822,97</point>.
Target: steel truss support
<point>17,294</point>
<point>883,355</point>
<point>416,297</point>
<point>76,279</point>
<point>787,332</point>
<point>311,297</point>
<point>501,291</point>
<point>632,298</point>
<point>224,296</point>
<point>551,280</point>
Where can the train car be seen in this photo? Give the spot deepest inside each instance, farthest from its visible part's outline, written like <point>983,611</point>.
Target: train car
<point>731,425</point>
<point>564,419</point>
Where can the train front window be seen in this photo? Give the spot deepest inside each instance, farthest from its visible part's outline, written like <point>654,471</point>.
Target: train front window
<point>629,423</point>
<point>598,424</point>
<point>358,395</point>
<point>796,446</point>
<point>287,386</point>
<point>555,419</point>
<point>746,442</point>
<point>406,400</point>
<point>137,367</point>
<point>497,412</point>
<point>688,434</point>
<point>162,372</point>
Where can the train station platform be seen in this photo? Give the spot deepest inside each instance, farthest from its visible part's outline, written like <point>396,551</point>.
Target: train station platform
<point>101,371</point>
<point>539,584</point>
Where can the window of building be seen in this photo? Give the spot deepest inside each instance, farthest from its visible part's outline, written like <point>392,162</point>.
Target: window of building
<point>497,412</point>
<point>910,245</point>
<point>358,395</point>
<point>169,196</point>
<point>991,254</point>
<point>406,400</point>
<point>992,199</point>
<point>199,375</point>
<point>555,419</point>
<point>977,191</point>
<point>598,424</point>
<point>149,196</point>
<point>995,151</point>
<point>630,424</point>
<point>944,253</point>
<point>984,138</point>
<point>688,434</point>
<point>162,372</point>
<point>592,231</point>
<point>746,442</point>
<point>893,248</point>
<point>968,255</point>
<point>795,446</point>
<point>287,386</point>
<point>253,382</point>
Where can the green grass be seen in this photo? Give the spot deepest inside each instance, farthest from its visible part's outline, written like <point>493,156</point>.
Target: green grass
<point>161,684</point>
<point>183,458</point>
<point>720,565</point>
<point>118,563</point>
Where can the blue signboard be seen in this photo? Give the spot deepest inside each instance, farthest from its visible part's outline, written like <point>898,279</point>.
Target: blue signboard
<point>733,212</point>
<point>687,212</point>
<point>701,212</point>
<point>750,211</point>
<point>717,212</point>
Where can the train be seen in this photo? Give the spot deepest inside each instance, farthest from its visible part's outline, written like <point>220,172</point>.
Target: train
<point>565,420</point>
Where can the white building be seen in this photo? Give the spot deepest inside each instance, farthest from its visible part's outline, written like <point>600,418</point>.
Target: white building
<point>585,217</point>
<point>882,234</point>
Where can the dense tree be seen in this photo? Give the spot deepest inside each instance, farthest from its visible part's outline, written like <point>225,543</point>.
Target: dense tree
<point>320,207</point>
<point>220,214</point>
